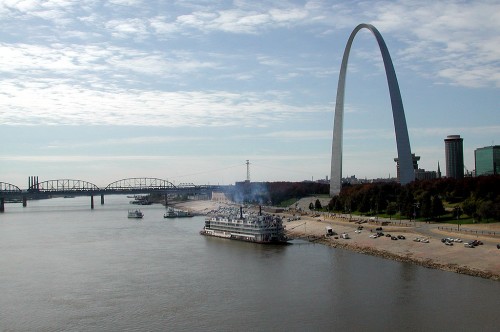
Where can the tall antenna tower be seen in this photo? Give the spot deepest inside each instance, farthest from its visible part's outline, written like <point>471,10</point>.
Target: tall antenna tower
<point>248,170</point>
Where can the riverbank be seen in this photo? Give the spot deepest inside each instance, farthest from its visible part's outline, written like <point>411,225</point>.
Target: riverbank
<point>482,261</point>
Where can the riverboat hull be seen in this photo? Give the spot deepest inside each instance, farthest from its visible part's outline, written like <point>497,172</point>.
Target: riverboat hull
<point>241,237</point>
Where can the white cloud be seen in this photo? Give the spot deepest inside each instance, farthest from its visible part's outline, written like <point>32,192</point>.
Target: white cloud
<point>128,27</point>
<point>459,39</point>
<point>126,2</point>
<point>300,134</point>
<point>58,103</point>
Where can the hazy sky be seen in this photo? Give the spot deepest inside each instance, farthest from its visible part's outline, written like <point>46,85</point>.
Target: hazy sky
<point>187,91</point>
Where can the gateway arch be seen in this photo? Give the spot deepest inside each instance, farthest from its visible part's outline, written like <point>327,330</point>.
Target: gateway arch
<point>406,172</point>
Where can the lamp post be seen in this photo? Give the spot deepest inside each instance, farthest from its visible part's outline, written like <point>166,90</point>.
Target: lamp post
<point>399,206</point>
<point>458,212</point>
<point>415,207</point>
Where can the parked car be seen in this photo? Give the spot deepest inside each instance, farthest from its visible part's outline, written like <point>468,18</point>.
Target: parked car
<point>401,237</point>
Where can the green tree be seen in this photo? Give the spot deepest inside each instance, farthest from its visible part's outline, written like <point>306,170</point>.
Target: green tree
<point>392,208</point>
<point>426,205</point>
<point>469,206</point>
<point>405,201</point>
<point>317,205</point>
<point>364,204</point>
<point>333,204</point>
<point>381,202</point>
<point>486,210</point>
<point>437,208</point>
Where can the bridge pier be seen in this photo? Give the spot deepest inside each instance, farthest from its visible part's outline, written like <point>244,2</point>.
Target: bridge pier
<point>25,201</point>
<point>102,199</point>
<point>2,204</point>
<point>91,202</point>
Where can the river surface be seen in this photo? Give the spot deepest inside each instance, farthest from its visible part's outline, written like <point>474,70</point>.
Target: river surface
<point>64,267</point>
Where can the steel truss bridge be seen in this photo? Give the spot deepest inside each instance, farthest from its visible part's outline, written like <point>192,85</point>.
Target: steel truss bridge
<point>70,187</point>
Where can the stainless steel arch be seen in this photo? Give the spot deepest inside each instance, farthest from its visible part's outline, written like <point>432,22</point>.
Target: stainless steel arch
<point>406,172</point>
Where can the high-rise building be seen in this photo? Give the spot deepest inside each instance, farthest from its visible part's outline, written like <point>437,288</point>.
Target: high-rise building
<point>454,153</point>
<point>487,160</point>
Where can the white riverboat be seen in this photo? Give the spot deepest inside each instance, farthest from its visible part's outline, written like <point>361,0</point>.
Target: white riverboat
<point>174,213</point>
<point>137,214</point>
<point>250,227</point>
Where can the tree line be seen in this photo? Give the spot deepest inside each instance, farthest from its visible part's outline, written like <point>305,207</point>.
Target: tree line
<point>476,197</point>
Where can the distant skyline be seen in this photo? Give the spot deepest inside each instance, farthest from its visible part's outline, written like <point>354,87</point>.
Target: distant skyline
<point>189,90</point>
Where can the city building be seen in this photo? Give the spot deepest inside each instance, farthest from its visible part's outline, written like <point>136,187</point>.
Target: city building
<point>487,160</point>
<point>414,159</point>
<point>454,154</point>
<point>220,197</point>
<point>422,174</point>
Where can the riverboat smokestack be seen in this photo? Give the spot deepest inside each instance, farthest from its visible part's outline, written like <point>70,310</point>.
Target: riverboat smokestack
<point>260,210</point>
<point>241,212</point>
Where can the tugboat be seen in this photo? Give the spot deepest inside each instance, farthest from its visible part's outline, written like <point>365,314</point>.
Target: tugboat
<point>137,214</point>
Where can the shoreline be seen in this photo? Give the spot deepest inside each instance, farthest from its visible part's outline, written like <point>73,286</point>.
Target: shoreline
<point>482,261</point>
<point>427,263</point>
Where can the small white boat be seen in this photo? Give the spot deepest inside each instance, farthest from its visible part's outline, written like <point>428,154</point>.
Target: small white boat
<point>135,214</point>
